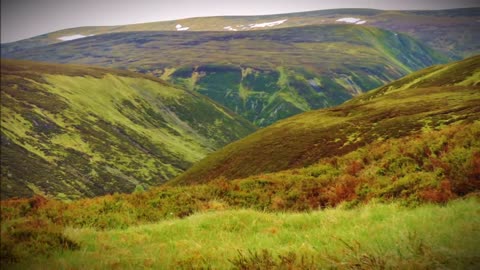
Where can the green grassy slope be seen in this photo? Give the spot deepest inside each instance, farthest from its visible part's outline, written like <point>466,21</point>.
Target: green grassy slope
<point>428,99</point>
<point>451,31</point>
<point>434,166</point>
<point>75,131</point>
<point>261,75</point>
<point>375,236</point>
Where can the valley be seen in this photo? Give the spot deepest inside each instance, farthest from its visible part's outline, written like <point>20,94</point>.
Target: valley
<point>431,98</point>
<point>262,75</point>
<point>92,131</point>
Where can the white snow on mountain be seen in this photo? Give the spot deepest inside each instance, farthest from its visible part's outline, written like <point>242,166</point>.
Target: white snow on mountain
<point>361,22</point>
<point>179,27</point>
<point>266,24</point>
<point>348,20</point>
<point>72,37</point>
<point>229,28</point>
<point>253,25</point>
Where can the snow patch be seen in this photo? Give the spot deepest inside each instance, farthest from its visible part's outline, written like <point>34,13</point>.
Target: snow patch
<point>229,28</point>
<point>243,27</point>
<point>179,27</point>
<point>72,37</point>
<point>361,22</point>
<point>266,24</point>
<point>349,20</point>
<point>253,25</point>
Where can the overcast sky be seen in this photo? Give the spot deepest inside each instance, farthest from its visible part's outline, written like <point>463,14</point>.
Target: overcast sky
<point>26,18</point>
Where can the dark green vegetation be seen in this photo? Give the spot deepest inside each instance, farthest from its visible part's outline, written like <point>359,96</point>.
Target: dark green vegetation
<point>428,99</point>
<point>261,75</point>
<point>75,131</point>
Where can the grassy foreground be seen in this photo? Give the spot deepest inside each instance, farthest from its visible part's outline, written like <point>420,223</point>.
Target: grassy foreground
<point>373,236</point>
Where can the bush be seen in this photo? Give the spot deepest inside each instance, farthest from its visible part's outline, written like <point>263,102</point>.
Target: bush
<point>32,236</point>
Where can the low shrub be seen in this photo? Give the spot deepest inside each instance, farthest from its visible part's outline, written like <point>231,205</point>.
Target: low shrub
<point>31,236</point>
<point>398,169</point>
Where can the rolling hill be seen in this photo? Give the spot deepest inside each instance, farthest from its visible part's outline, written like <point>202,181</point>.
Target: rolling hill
<point>428,99</point>
<point>262,75</point>
<point>450,31</point>
<point>73,131</point>
<point>428,181</point>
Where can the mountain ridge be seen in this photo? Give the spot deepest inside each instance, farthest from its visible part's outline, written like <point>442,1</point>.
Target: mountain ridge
<point>262,75</point>
<point>442,34</point>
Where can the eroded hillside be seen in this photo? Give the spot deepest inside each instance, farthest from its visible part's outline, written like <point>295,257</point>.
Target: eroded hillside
<point>75,131</point>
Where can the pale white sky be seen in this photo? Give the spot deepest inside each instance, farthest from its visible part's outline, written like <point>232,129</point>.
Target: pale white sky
<point>22,19</point>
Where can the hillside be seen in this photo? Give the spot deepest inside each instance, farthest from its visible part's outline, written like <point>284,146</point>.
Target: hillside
<point>450,31</point>
<point>405,199</point>
<point>75,131</point>
<point>428,99</point>
<point>262,75</point>
<point>259,220</point>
